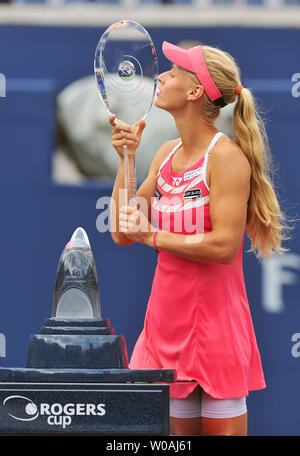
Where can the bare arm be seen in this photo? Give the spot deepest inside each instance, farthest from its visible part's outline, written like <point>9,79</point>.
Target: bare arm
<point>122,134</point>
<point>118,200</point>
<point>147,189</point>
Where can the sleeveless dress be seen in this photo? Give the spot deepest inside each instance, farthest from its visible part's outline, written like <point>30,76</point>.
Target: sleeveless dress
<point>198,320</point>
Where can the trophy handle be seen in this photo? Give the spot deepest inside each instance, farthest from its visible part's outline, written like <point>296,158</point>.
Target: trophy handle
<point>130,178</point>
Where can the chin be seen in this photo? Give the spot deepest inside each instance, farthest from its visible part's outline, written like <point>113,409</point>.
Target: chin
<point>159,105</point>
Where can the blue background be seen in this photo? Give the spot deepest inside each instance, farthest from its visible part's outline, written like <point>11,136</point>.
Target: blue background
<point>38,216</point>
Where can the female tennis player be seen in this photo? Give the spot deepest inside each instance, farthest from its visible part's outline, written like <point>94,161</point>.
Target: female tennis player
<point>204,191</point>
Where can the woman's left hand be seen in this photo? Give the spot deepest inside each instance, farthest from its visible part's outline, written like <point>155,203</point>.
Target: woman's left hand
<point>134,224</point>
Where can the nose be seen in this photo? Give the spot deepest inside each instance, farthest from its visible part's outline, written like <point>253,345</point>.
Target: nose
<point>161,77</point>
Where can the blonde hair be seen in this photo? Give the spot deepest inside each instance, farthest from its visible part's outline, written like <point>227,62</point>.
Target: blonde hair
<point>266,224</point>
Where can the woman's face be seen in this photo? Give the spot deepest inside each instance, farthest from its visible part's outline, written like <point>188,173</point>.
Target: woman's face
<point>174,87</point>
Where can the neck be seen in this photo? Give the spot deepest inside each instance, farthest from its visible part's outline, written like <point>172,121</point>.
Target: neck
<point>194,132</point>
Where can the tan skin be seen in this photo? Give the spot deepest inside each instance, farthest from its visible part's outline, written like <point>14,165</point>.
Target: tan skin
<point>228,177</point>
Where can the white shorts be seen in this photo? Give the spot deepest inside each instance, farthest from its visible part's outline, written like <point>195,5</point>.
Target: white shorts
<point>199,403</point>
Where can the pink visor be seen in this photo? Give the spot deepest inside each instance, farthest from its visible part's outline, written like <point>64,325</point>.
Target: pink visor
<point>192,60</point>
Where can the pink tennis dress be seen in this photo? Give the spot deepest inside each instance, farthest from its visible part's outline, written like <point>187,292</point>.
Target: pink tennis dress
<point>198,320</point>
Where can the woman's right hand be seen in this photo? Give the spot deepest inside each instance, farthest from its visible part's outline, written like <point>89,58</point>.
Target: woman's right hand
<point>126,135</point>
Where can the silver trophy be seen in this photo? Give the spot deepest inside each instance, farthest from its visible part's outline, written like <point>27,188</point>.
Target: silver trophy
<point>125,68</point>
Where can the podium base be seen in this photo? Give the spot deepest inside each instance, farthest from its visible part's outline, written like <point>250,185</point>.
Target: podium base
<point>84,408</point>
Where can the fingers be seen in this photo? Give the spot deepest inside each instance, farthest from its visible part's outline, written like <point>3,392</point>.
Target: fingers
<point>118,124</point>
<point>127,210</point>
<point>122,138</point>
<point>131,220</point>
<point>121,126</point>
<point>127,214</point>
<point>112,119</point>
<point>128,218</point>
<point>124,142</point>
<point>140,129</point>
<point>125,135</point>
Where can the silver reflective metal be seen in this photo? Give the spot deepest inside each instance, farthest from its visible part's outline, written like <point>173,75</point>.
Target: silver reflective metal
<point>76,292</point>
<point>125,66</point>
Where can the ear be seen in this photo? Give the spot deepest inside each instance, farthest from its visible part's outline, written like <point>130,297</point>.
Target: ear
<point>195,92</point>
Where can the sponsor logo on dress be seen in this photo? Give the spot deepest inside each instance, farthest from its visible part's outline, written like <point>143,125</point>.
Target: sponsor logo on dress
<point>177,181</point>
<point>192,194</point>
<point>190,174</point>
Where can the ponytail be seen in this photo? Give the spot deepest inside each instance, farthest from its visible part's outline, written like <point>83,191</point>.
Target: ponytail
<point>266,225</point>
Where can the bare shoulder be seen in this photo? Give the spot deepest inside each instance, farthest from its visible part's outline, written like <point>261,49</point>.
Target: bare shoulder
<point>162,153</point>
<point>227,155</point>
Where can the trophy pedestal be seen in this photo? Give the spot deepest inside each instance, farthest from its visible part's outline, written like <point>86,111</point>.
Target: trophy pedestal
<point>84,408</point>
<point>77,381</point>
